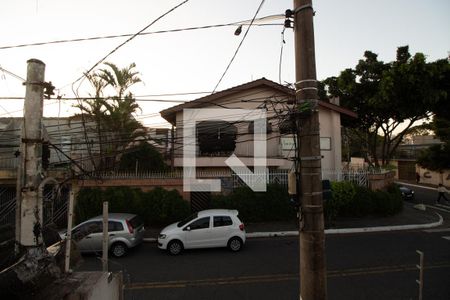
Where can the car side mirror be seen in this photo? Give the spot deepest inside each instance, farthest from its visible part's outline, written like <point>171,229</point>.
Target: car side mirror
<point>187,228</point>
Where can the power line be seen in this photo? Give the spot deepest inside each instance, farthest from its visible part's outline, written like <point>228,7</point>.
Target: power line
<point>12,74</point>
<point>143,33</point>
<point>239,46</point>
<point>128,40</point>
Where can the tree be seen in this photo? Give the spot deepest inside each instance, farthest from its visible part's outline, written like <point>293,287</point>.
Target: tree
<point>115,124</point>
<point>143,157</point>
<point>389,99</point>
<point>437,158</point>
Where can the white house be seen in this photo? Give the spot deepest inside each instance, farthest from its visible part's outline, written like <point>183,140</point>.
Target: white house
<point>217,138</point>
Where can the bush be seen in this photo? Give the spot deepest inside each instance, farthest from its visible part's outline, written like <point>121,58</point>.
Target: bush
<point>272,205</point>
<point>157,206</point>
<point>350,200</point>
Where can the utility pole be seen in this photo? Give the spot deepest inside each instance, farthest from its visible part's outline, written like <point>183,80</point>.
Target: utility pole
<point>29,205</point>
<point>311,224</point>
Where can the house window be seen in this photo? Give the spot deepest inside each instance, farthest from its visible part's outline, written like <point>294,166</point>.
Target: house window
<point>251,127</point>
<point>216,138</point>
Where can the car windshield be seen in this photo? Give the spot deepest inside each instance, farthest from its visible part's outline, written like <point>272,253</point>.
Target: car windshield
<point>187,220</point>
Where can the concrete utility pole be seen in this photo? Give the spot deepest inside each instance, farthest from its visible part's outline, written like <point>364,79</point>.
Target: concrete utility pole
<point>29,208</point>
<point>312,236</point>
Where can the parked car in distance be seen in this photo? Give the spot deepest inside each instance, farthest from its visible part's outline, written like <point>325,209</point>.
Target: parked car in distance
<point>407,193</point>
<point>125,231</point>
<point>204,229</point>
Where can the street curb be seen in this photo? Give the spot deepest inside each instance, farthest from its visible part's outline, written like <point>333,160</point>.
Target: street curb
<point>339,231</point>
<point>353,230</point>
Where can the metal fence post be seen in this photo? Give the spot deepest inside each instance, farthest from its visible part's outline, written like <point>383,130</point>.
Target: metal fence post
<point>420,267</point>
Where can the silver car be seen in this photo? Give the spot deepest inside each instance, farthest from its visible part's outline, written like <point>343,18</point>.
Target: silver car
<point>125,231</point>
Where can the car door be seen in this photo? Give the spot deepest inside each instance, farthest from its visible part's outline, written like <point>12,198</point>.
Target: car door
<point>198,233</point>
<point>221,230</point>
<point>89,242</point>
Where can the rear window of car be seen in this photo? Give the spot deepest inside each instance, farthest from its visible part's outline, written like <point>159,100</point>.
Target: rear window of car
<point>220,221</point>
<point>136,222</point>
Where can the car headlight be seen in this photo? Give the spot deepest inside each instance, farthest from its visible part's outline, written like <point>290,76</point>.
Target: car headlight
<point>162,236</point>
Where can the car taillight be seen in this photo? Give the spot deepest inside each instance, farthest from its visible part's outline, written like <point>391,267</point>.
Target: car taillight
<point>242,227</point>
<point>130,228</point>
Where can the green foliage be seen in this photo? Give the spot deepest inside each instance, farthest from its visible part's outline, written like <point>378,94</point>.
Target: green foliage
<point>437,158</point>
<point>145,156</point>
<point>350,200</point>
<point>115,125</point>
<point>386,95</point>
<point>272,205</point>
<point>157,206</point>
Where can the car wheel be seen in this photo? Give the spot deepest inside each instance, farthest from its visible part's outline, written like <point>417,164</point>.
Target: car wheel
<point>119,249</point>
<point>175,247</point>
<point>235,244</point>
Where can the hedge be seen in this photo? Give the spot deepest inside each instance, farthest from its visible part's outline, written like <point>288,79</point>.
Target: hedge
<point>350,200</point>
<point>156,207</point>
<point>272,205</point>
<point>161,207</point>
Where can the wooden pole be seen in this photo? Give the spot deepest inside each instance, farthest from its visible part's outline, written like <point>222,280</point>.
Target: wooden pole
<point>69,228</point>
<point>312,236</point>
<point>105,237</point>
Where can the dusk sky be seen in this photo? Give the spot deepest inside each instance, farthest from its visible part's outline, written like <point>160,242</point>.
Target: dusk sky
<point>193,61</point>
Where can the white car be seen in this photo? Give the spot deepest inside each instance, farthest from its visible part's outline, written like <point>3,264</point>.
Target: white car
<point>205,229</point>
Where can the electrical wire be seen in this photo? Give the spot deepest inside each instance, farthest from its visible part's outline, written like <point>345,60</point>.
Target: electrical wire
<point>12,74</point>
<point>131,38</point>
<point>143,33</point>
<point>238,47</point>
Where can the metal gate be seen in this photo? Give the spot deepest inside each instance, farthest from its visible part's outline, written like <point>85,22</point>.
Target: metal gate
<point>407,170</point>
<point>200,201</point>
<point>7,205</point>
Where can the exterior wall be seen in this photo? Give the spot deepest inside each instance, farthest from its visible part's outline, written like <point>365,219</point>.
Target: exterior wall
<point>429,177</point>
<point>96,285</point>
<point>381,181</point>
<point>277,147</point>
<point>432,177</point>
<point>330,130</point>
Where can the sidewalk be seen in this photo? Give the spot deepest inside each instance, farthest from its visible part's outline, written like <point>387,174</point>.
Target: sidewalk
<point>408,218</point>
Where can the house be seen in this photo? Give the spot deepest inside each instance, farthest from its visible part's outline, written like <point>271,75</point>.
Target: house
<point>67,136</point>
<point>217,138</point>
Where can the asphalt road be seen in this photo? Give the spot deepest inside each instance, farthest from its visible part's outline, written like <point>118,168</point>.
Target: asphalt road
<point>360,266</point>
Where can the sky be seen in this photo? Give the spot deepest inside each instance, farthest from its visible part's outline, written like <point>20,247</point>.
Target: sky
<point>194,61</point>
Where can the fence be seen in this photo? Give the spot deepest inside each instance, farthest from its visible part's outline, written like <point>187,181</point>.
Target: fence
<point>359,176</point>
<point>54,206</point>
<point>157,175</point>
<point>7,206</point>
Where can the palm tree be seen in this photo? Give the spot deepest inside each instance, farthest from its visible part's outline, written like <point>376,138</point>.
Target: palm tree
<point>112,115</point>
<point>119,120</point>
<point>119,79</point>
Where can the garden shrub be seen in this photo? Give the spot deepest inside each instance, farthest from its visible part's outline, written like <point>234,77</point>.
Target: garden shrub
<point>272,205</point>
<point>350,200</point>
<point>157,206</point>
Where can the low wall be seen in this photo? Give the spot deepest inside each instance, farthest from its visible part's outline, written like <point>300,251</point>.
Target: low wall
<point>381,181</point>
<point>433,177</point>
